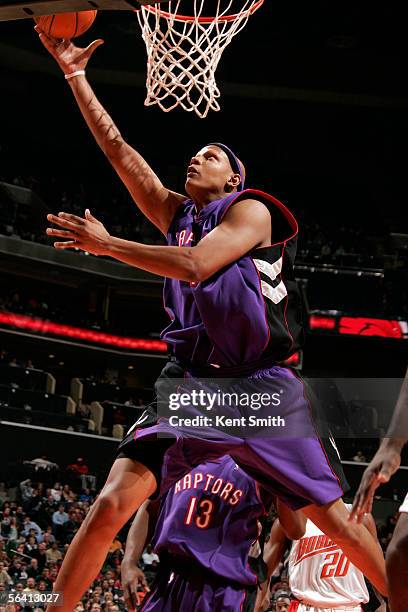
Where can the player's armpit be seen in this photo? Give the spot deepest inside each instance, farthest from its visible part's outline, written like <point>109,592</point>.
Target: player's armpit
<point>246,225</point>
<point>292,522</point>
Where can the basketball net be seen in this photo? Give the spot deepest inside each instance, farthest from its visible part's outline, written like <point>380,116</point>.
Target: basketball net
<point>183,51</point>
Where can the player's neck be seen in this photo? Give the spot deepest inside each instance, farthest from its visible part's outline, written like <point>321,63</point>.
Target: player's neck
<point>202,200</point>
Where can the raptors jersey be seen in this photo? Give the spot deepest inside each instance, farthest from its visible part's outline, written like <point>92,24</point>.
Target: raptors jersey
<point>320,573</point>
<point>211,517</point>
<point>248,311</point>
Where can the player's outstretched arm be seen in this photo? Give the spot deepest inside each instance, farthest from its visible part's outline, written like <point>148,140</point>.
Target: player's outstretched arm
<point>156,202</point>
<point>139,535</point>
<point>246,225</point>
<point>275,547</point>
<point>369,522</point>
<point>274,551</point>
<point>387,459</point>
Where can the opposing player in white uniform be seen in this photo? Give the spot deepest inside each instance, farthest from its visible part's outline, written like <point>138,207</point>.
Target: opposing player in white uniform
<point>321,577</point>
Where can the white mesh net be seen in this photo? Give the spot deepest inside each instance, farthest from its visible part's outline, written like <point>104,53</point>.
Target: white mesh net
<point>183,51</point>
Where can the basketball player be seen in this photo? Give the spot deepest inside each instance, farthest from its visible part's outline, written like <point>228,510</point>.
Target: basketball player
<point>321,577</point>
<point>235,312</point>
<point>206,532</point>
<point>383,465</point>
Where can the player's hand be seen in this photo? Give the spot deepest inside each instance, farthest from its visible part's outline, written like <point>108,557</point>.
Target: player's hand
<point>69,57</point>
<point>131,577</point>
<point>263,597</point>
<point>384,464</point>
<point>87,234</point>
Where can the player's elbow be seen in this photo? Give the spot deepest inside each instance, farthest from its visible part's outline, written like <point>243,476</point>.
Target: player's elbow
<point>292,530</point>
<point>196,269</point>
<point>295,532</point>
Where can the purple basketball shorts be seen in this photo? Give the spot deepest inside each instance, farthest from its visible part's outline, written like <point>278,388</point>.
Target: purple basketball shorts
<point>197,590</point>
<point>285,445</point>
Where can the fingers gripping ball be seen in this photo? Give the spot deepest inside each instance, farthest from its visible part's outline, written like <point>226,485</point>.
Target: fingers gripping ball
<point>66,25</point>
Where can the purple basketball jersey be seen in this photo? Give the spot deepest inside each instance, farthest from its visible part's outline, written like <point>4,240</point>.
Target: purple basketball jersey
<point>211,515</point>
<point>247,311</point>
<point>244,320</point>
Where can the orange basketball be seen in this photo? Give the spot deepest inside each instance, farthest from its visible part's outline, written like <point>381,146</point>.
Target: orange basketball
<point>66,25</point>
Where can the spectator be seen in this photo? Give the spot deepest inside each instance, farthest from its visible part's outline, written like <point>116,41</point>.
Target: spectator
<point>282,601</point>
<point>31,586</point>
<point>26,489</point>
<point>28,525</point>
<point>149,557</point>
<point>359,457</point>
<point>53,553</point>
<point>67,494</point>
<point>18,588</point>
<point>18,571</point>
<point>325,250</point>
<point>72,525</point>
<point>56,492</point>
<point>13,533</point>
<point>41,555</point>
<point>45,577</point>
<point>108,597</point>
<point>85,495</point>
<point>31,547</point>
<point>59,518</point>
<point>49,506</point>
<point>5,577</point>
<point>32,569</point>
<point>33,505</point>
<point>79,467</point>
<point>48,537</point>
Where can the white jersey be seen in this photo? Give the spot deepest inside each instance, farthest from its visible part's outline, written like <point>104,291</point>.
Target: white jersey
<point>320,573</point>
<point>404,507</point>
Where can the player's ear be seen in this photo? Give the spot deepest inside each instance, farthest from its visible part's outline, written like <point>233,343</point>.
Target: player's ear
<point>233,182</point>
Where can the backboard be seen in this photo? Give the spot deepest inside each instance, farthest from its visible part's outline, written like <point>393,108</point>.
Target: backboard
<point>17,9</point>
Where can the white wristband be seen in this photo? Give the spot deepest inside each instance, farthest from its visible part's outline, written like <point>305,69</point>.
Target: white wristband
<point>74,74</point>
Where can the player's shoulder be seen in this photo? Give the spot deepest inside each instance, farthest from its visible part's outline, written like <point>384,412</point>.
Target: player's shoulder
<point>248,209</point>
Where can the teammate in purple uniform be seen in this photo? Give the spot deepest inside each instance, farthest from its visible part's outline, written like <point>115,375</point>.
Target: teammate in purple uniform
<point>235,310</point>
<point>205,528</point>
<point>207,532</point>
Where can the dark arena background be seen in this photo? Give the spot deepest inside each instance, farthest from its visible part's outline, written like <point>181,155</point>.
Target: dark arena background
<point>314,101</point>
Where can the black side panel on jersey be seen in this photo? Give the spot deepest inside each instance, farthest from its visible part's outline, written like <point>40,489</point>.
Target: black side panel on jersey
<point>283,304</point>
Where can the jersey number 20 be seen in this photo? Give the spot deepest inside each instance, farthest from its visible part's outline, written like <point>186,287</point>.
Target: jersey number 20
<point>336,565</point>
